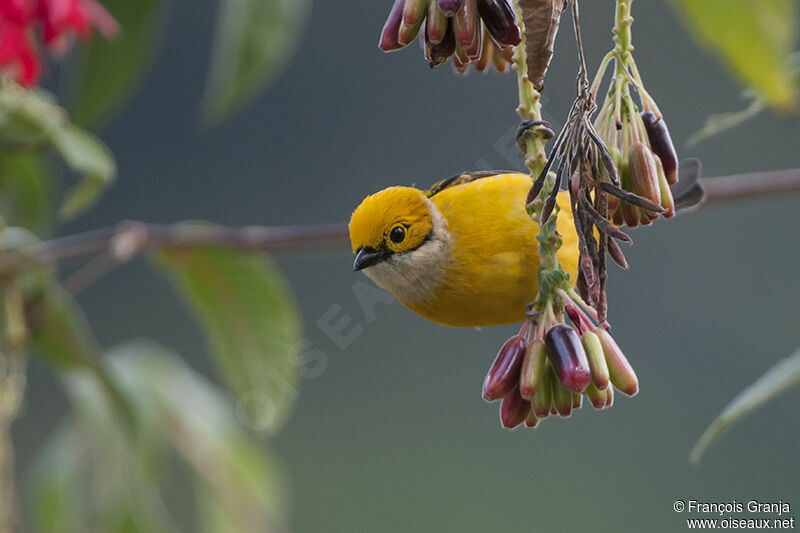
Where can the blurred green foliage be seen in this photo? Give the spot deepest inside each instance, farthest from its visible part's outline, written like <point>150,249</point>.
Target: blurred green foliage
<point>96,94</point>
<point>254,40</point>
<point>252,323</point>
<point>27,197</point>
<point>782,376</point>
<point>138,405</point>
<point>30,121</point>
<point>95,476</point>
<point>754,39</point>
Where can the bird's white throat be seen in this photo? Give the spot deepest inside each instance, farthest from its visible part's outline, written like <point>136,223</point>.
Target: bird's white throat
<point>413,276</point>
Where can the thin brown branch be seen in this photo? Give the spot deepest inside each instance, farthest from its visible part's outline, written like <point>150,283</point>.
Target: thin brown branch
<point>753,184</point>
<point>128,239</point>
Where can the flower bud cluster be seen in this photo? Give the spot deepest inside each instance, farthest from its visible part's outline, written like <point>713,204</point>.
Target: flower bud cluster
<point>548,367</point>
<point>471,32</point>
<point>646,161</point>
<point>639,144</point>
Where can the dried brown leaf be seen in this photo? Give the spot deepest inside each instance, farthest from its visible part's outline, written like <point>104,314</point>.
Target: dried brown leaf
<point>541,18</point>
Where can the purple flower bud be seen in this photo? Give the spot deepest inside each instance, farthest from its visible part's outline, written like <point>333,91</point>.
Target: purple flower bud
<point>465,23</point>
<point>530,378</point>
<point>597,359</point>
<point>577,400</point>
<point>596,396</point>
<point>562,399</point>
<point>436,23</point>
<point>566,354</point>
<point>498,17</point>
<point>474,49</point>
<point>459,65</point>
<point>449,7</point>
<point>487,52</point>
<point>573,315</point>
<point>504,374</point>
<point>501,59</point>
<point>661,143</point>
<point>618,220</point>
<point>438,53</point>
<point>630,213</point>
<point>609,396</point>
<point>619,369</point>
<point>667,202</point>
<point>644,172</point>
<point>391,27</point>
<point>543,398</point>
<point>414,14</point>
<point>514,409</point>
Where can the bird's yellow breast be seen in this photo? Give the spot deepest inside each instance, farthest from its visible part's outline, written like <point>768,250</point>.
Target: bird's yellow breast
<point>492,269</point>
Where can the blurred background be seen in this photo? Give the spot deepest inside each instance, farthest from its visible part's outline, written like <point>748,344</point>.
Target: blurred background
<point>391,433</point>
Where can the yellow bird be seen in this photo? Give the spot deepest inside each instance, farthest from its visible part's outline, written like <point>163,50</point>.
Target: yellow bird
<point>462,253</point>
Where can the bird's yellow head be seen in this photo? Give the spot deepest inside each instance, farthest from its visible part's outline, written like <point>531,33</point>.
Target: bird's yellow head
<point>391,221</point>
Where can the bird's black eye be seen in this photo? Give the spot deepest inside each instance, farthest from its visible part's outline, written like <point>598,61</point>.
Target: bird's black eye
<point>398,234</point>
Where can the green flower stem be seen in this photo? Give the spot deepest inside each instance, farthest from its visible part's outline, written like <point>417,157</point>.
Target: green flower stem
<point>551,275</point>
<point>622,50</point>
<point>530,106</point>
<point>622,34</point>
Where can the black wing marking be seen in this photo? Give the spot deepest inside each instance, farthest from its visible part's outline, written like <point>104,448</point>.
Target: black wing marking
<point>463,177</point>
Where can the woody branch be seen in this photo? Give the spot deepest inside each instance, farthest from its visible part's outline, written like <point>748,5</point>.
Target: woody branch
<point>129,239</point>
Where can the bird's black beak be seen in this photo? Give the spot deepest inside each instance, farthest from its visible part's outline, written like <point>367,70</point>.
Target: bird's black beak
<point>367,257</point>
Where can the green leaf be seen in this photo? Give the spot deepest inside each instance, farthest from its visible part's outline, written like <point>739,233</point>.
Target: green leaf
<point>56,488</point>
<point>91,477</point>
<point>253,42</point>
<point>26,116</point>
<point>107,481</point>
<point>239,485</point>
<point>61,335</point>
<point>251,321</point>
<point>108,71</point>
<point>60,331</point>
<point>84,154</point>
<point>26,197</point>
<point>31,120</point>
<point>721,122</point>
<point>753,38</point>
<point>255,506</point>
<point>780,377</point>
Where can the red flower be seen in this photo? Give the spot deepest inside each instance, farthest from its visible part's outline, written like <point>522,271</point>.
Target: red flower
<point>55,22</point>
<point>17,54</point>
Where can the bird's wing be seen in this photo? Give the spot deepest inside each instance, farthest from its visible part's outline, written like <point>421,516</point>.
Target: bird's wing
<point>688,193</point>
<point>463,177</point>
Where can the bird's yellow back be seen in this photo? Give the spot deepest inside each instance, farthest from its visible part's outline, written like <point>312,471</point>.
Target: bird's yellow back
<point>492,271</point>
